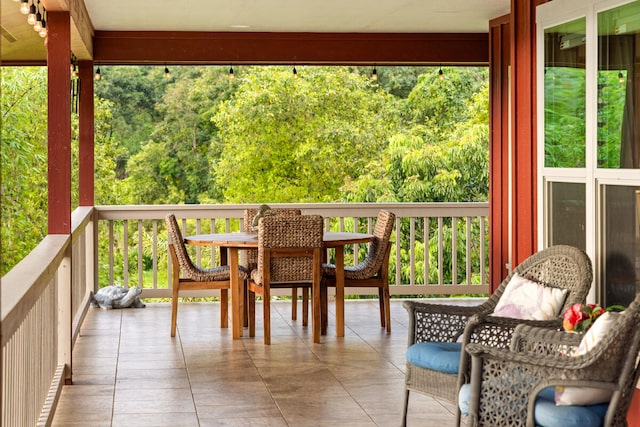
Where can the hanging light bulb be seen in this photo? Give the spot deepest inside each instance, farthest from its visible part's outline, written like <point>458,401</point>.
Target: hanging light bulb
<point>167,73</point>
<point>374,74</point>
<point>98,76</point>
<point>24,7</point>
<point>37,26</point>
<point>441,74</point>
<point>620,77</point>
<point>43,30</point>
<point>231,76</point>
<point>295,72</point>
<point>31,18</point>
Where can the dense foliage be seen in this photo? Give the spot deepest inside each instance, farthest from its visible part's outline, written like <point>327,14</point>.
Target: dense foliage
<point>331,134</point>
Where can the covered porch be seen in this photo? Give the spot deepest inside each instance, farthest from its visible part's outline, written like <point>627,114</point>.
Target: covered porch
<point>128,371</point>
<point>112,368</point>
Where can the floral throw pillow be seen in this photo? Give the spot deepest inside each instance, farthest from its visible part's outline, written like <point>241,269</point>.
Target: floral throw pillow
<point>526,299</point>
<point>588,395</point>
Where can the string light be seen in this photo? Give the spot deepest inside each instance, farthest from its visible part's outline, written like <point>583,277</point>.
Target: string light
<point>620,77</point>
<point>374,74</point>
<point>97,76</point>
<point>43,30</point>
<point>295,72</point>
<point>31,18</point>
<point>24,7</point>
<point>37,26</point>
<point>441,74</point>
<point>167,73</point>
<point>231,76</point>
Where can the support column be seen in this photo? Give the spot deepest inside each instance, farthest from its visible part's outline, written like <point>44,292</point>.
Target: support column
<point>523,120</point>
<point>59,122</point>
<point>499,63</point>
<point>86,134</point>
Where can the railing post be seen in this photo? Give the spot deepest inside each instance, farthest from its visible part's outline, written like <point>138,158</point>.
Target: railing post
<point>65,313</point>
<point>91,256</point>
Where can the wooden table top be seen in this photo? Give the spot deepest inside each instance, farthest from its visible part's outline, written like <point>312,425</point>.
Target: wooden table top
<point>250,240</point>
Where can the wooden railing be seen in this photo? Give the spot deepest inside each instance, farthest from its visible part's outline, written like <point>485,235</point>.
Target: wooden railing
<point>457,262</point>
<point>43,301</point>
<point>45,297</point>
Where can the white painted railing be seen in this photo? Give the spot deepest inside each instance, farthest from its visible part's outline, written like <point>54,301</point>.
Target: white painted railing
<point>43,300</point>
<point>143,230</point>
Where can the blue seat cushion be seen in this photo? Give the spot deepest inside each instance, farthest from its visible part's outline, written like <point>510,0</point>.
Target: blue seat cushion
<point>548,414</point>
<point>437,356</point>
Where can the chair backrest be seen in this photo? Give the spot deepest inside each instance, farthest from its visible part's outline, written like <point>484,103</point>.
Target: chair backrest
<point>289,232</point>
<point>559,266</point>
<point>176,243</point>
<point>629,346</point>
<point>378,249</point>
<point>250,257</point>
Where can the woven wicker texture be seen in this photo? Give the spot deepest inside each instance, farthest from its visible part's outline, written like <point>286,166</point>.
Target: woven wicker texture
<point>289,256</point>
<point>187,267</point>
<point>559,266</point>
<point>373,271</point>
<point>302,231</point>
<point>370,266</point>
<point>505,381</point>
<point>250,256</point>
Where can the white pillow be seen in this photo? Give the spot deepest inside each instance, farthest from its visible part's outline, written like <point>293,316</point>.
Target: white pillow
<point>588,395</point>
<point>526,299</point>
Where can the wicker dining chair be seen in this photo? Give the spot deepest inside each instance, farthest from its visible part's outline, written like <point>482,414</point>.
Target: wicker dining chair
<point>250,259</point>
<point>441,367</point>
<point>517,386</point>
<point>289,255</point>
<point>194,277</point>
<point>372,272</point>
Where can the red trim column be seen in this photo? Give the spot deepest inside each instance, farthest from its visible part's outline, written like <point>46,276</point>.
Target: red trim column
<point>523,120</point>
<point>59,122</point>
<point>499,43</point>
<point>86,134</point>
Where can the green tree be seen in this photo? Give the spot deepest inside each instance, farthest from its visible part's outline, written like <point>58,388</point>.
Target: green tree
<point>135,90</point>
<point>174,165</point>
<point>289,139</point>
<point>24,162</point>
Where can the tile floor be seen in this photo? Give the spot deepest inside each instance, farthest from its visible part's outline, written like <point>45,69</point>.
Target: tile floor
<point>128,371</point>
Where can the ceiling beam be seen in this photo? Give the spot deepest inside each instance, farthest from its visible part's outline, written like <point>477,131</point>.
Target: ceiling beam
<point>149,47</point>
<point>81,25</point>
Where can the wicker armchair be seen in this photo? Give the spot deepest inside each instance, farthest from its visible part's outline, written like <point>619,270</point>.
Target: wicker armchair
<point>515,387</point>
<point>559,266</point>
<point>372,272</point>
<point>193,276</point>
<point>289,255</point>
<point>250,260</point>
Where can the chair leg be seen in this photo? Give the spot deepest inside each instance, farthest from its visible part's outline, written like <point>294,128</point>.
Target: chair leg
<point>305,306</point>
<point>294,303</point>
<point>405,407</point>
<point>382,305</point>
<point>266,316</point>
<point>251,316</point>
<point>324,310</point>
<point>224,308</point>
<point>245,308</point>
<point>174,309</point>
<point>387,309</point>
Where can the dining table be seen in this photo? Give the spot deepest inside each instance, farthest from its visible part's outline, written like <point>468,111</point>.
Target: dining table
<point>235,241</point>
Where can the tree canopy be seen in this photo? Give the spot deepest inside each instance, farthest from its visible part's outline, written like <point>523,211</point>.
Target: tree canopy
<point>331,134</point>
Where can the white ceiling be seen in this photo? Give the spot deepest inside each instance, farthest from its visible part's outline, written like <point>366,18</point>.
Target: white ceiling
<point>360,16</point>
<point>20,43</point>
